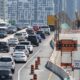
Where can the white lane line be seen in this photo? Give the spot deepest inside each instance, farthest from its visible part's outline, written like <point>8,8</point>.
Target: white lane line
<point>27,63</point>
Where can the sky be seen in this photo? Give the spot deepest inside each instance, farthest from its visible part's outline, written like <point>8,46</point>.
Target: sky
<point>68,6</point>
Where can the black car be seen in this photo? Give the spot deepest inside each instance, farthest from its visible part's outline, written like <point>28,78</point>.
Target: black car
<point>3,34</point>
<point>30,31</point>
<point>11,30</point>
<point>4,47</point>
<point>42,34</point>
<point>5,74</point>
<point>34,40</point>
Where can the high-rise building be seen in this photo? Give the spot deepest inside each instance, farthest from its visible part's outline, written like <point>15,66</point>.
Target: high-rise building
<point>30,11</point>
<point>3,9</point>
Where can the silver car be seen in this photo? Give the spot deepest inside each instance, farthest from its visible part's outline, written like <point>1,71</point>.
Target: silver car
<point>7,61</point>
<point>13,41</point>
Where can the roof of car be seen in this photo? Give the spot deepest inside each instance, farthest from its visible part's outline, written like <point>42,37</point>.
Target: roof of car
<point>19,52</point>
<point>5,68</point>
<point>8,55</point>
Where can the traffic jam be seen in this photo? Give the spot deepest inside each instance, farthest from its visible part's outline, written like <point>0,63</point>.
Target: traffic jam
<point>19,47</point>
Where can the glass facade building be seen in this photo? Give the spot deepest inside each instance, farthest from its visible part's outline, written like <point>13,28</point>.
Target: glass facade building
<point>30,11</point>
<point>3,9</point>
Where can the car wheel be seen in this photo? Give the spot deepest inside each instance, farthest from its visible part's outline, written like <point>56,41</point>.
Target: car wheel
<point>31,52</point>
<point>13,71</point>
<point>48,33</point>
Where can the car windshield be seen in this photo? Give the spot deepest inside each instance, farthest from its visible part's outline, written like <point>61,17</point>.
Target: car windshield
<point>44,27</point>
<point>18,34</point>
<point>19,53</point>
<point>4,72</point>
<point>3,43</point>
<point>20,47</point>
<point>25,43</point>
<point>5,59</point>
<point>10,27</point>
<point>3,46</point>
<point>32,37</point>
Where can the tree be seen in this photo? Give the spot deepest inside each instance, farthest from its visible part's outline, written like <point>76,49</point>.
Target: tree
<point>12,22</point>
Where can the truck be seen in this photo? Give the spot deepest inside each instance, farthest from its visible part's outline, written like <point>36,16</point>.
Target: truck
<point>52,22</point>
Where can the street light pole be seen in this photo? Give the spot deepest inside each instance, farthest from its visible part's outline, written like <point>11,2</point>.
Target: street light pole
<point>58,9</point>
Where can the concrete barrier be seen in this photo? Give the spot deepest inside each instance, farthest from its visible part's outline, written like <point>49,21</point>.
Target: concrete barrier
<point>57,70</point>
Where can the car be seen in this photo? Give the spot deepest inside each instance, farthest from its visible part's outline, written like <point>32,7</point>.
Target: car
<point>19,27</point>
<point>20,36</point>
<point>28,44</point>
<point>11,29</point>
<point>3,34</point>
<point>39,38</point>
<point>45,29</point>
<point>42,34</point>
<point>30,31</point>
<point>20,56</point>
<point>34,40</point>
<point>4,47</point>
<point>13,41</point>
<point>25,34</point>
<point>21,48</point>
<point>5,74</point>
<point>7,61</point>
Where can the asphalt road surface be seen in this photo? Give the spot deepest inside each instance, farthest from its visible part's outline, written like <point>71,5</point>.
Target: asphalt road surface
<point>44,52</point>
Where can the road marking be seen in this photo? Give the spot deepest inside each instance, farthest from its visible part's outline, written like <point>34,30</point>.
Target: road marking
<point>27,63</point>
<point>50,76</point>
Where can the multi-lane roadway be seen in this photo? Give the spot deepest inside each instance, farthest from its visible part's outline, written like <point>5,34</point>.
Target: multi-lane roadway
<point>22,70</point>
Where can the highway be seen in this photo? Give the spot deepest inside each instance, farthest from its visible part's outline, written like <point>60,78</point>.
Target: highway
<point>44,51</point>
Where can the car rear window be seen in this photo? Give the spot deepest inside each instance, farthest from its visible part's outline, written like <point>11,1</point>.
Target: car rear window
<point>3,43</point>
<point>20,47</point>
<point>24,43</point>
<point>18,34</point>
<point>5,59</point>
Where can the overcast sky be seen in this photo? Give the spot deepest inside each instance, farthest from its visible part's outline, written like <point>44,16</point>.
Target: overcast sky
<point>68,6</point>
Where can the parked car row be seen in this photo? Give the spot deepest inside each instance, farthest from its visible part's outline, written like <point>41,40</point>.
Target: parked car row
<point>23,45</point>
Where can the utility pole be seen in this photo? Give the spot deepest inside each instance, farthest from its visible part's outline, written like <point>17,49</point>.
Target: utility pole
<point>58,11</point>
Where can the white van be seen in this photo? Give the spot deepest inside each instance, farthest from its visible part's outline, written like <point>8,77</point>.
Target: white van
<point>45,29</point>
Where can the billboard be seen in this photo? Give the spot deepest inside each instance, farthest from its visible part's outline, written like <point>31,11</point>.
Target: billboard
<point>51,20</point>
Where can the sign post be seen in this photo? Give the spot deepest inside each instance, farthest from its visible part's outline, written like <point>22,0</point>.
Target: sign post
<point>66,45</point>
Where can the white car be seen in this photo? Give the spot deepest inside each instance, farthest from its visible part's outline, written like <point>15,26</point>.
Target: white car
<point>13,41</point>
<point>25,34</point>
<point>20,36</point>
<point>21,48</point>
<point>28,44</point>
<point>20,56</point>
<point>7,62</point>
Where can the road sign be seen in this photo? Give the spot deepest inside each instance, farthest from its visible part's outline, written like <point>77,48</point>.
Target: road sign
<point>52,44</point>
<point>66,45</point>
<point>76,64</point>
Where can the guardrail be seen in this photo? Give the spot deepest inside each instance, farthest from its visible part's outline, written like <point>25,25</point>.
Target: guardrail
<point>57,70</point>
